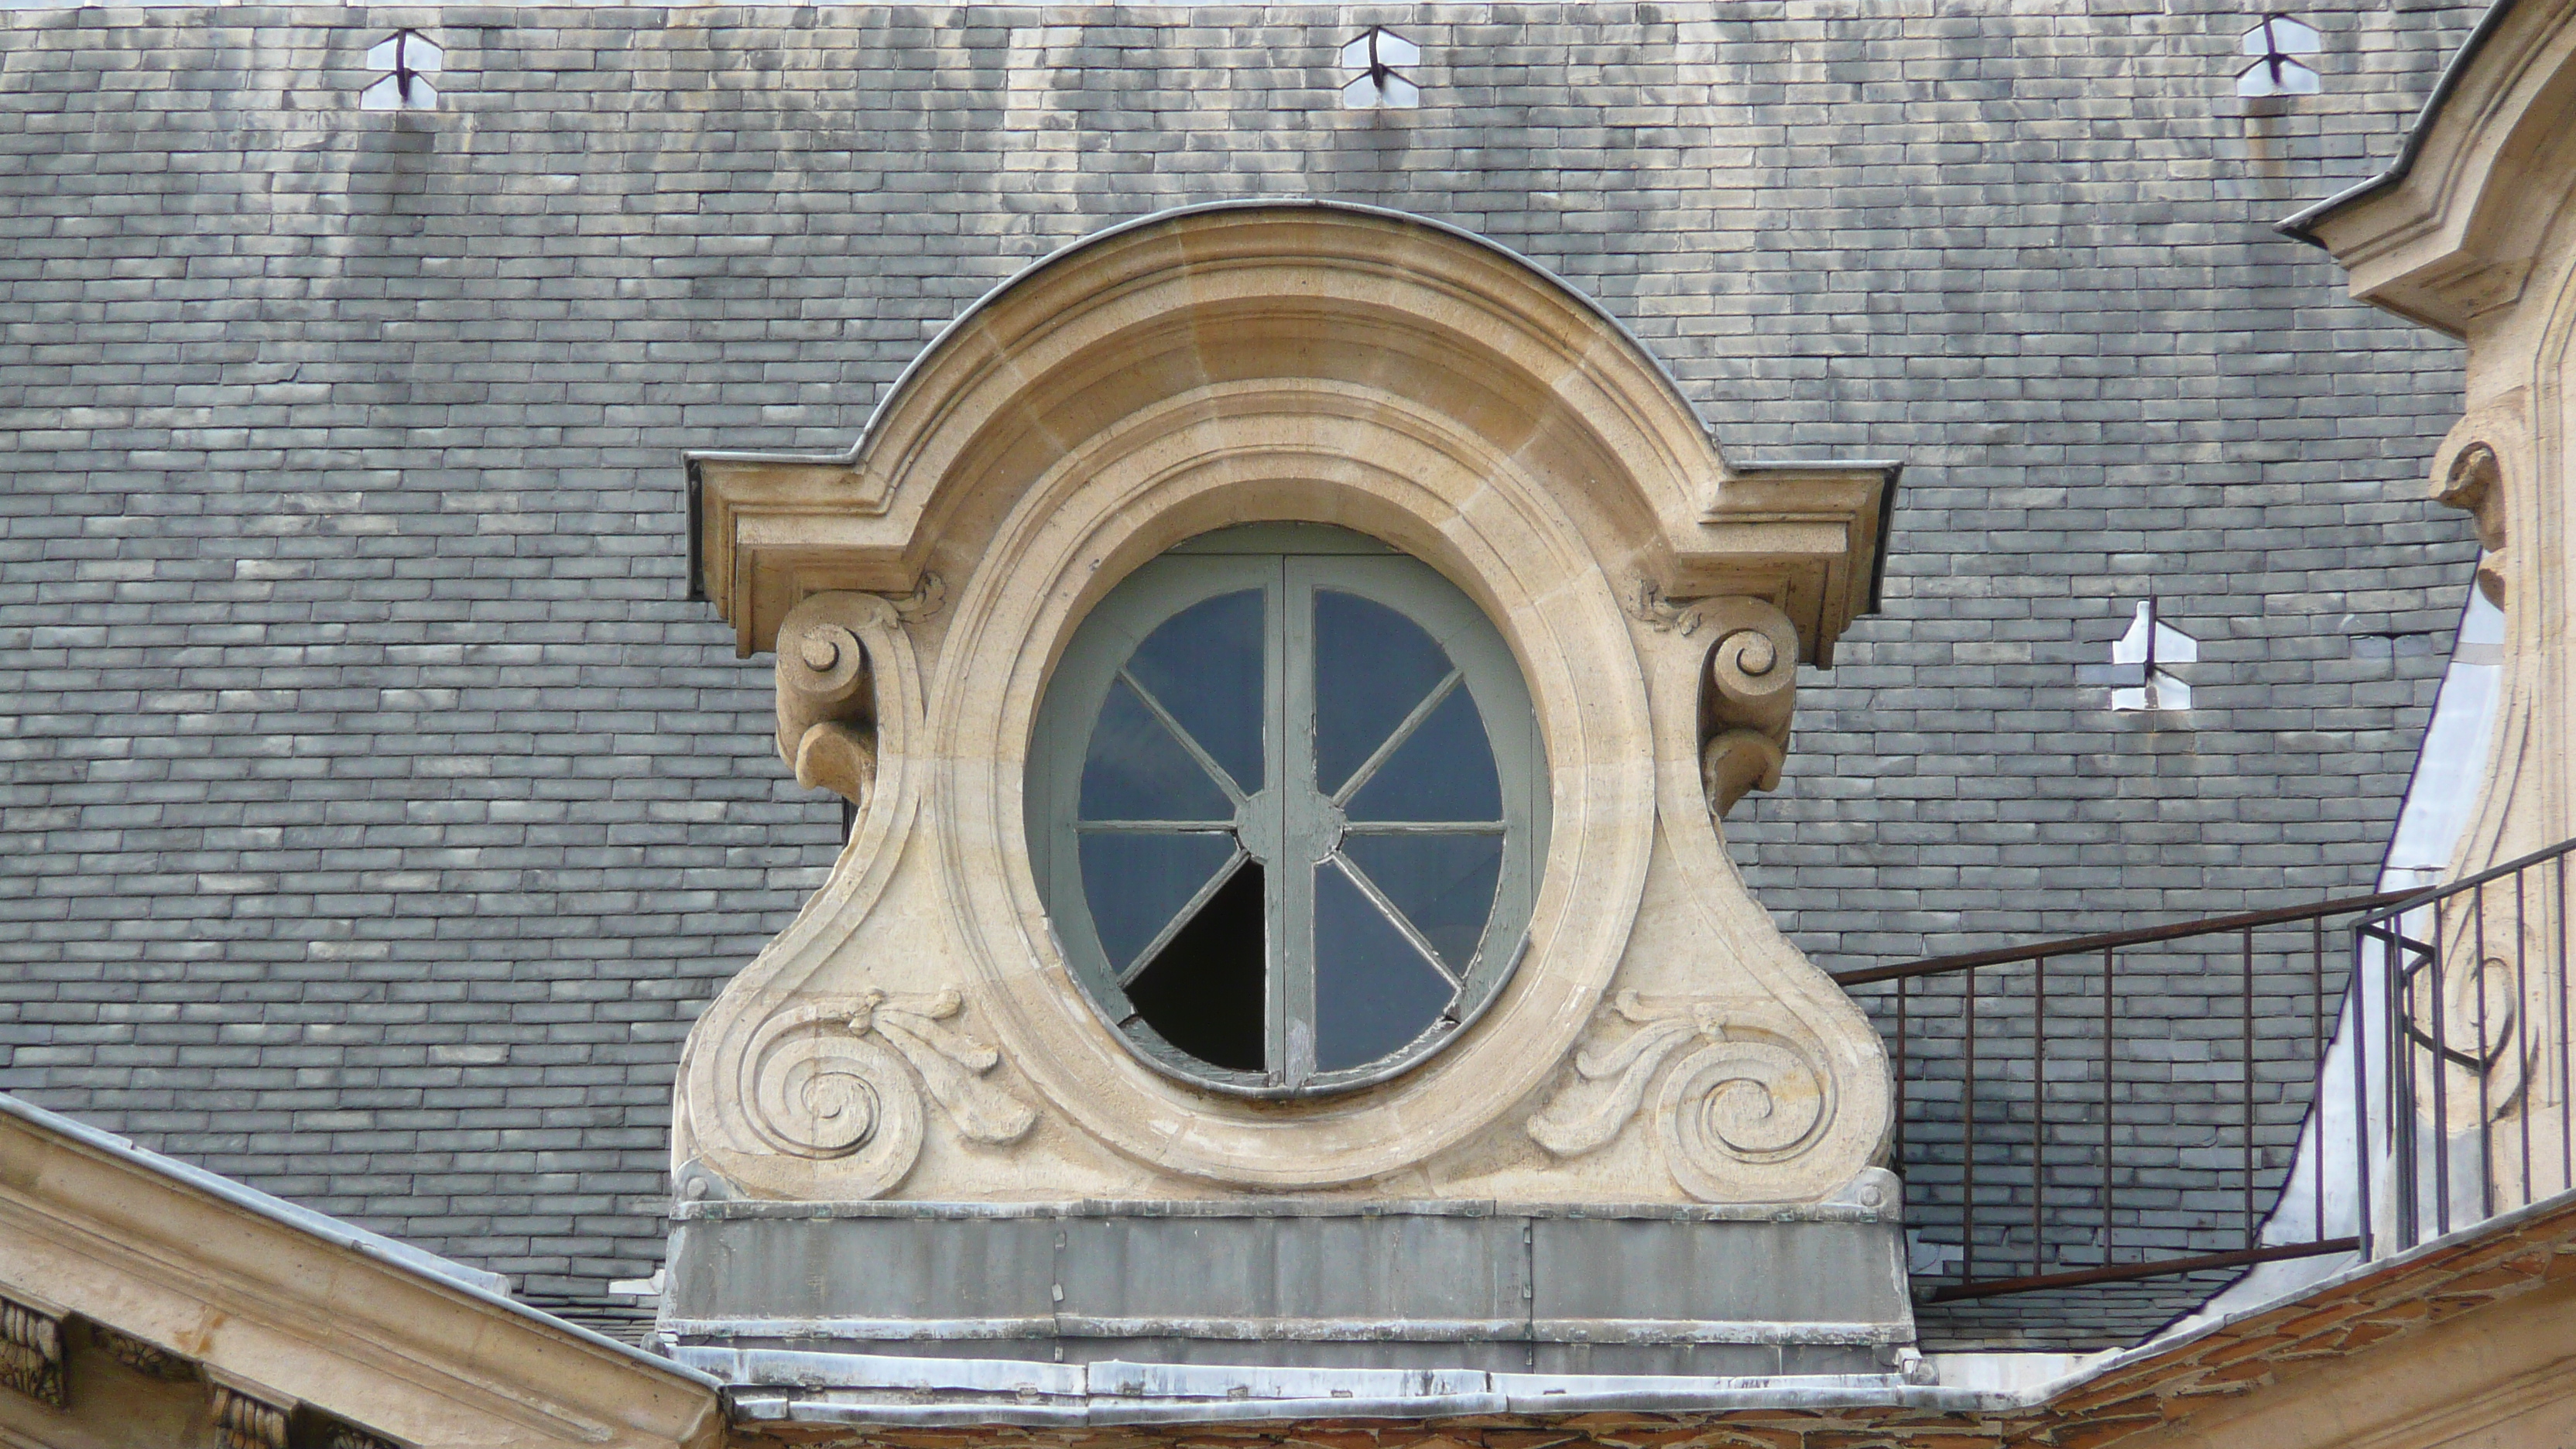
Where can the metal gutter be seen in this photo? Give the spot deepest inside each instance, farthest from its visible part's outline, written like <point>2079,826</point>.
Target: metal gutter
<point>491,1289</point>
<point>2301,226</point>
<point>882,1389</point>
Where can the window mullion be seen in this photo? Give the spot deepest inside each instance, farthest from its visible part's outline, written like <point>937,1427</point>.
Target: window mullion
<point>1303,820</point>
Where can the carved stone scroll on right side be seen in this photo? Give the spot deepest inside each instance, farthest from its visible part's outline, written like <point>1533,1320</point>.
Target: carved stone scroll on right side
<point>1747,693</point>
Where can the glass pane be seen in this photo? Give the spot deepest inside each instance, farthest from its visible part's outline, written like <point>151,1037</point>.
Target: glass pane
<point>1137,771</point>
<point>1135,884</point>
<point>1373,991</point>
<point>1444,884</point>
<point>1208,990</point>
<point>1372,666</point>
<point>1443,771</point>
<point>1203,666</point>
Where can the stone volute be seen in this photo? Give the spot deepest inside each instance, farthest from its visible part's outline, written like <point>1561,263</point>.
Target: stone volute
<point>919,1034</point>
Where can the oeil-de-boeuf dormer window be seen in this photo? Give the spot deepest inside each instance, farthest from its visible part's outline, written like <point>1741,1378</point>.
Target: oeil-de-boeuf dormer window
<point>1284,807</point>
<point>1286,666</point>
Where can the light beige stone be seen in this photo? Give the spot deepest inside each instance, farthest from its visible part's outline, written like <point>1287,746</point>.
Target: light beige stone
<point>1287,363</point>
<point>186,1317</point>
<point>2478,239</point>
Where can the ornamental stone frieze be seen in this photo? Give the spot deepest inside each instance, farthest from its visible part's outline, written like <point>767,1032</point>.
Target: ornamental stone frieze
<point>1288,664</point>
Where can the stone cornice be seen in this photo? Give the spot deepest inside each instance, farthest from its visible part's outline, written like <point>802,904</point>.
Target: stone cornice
<point>2451,232</point>
<point>242,1298</point>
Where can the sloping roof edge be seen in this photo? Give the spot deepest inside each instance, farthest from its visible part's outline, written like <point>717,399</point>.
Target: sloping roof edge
<point>2301,226</point>
<point>490,1288</point>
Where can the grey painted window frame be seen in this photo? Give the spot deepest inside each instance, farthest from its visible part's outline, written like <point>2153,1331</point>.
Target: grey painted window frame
<point>1288,562</point>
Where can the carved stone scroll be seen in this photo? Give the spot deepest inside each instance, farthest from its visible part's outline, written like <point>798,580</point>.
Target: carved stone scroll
<point>1747,694</point>
<point>827,706</point>
<point>248,1418</point>
<point>2475,483</point>
<point>31,1352</point>
<point>1744,1095</point>
<point>836,1078</point>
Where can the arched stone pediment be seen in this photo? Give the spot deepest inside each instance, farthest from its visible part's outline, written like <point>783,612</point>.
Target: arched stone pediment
<point>1207,301</point>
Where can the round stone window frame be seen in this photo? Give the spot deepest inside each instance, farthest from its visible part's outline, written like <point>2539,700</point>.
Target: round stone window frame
<point>1222,562</point>
<point>1297,450</point>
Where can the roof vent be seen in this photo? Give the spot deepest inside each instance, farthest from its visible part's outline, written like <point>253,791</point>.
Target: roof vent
<point>2273,73</point>
<point>2137,680</point>
<point>1375,84</point>
<point>411,57</point>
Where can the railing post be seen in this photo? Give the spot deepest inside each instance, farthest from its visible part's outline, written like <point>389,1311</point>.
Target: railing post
<point>2360,1009</point>
<point>1968,1136</point>
<point>2245,1016</point>
<point>2038,1109</point>
<point>2109,1024</point>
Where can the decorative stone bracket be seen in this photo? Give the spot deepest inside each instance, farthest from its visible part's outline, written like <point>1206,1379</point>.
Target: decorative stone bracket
<point>1748,689</point>
<point>31,1351</point>
<point>1744,1094</point>
<point>827,706</point>
<point>827,687</point>
<point>2474,483</point>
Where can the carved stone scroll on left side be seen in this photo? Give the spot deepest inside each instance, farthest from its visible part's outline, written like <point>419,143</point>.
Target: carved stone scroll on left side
<point>842,1078</point>
<point>31,1351</point>
<point>827,697</point>
<point>1747,693</point>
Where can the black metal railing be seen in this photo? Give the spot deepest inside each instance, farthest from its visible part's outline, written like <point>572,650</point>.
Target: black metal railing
<point>2465,1070</point>
<point>2118,1106</point>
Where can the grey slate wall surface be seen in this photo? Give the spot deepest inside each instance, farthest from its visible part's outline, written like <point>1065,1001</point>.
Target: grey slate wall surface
<point>376,813</point>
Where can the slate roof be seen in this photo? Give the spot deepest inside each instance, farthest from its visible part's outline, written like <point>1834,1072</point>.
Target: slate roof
<point>377,811</point>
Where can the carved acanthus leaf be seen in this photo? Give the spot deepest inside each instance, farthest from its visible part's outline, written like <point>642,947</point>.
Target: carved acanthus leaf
<point>951,1064</point>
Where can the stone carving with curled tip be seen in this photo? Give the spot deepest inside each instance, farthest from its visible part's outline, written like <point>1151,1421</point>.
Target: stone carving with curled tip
<point>1743,1094</point>
<point>1746,696</point>
<point>827,698</point>
<point>835,1078</point>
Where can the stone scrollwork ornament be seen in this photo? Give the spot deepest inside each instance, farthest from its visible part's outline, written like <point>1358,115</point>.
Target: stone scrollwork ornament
<point>1741,1095</point>
<point>827,707</point>
<point>1747,694</point>
<point>843,1078</point>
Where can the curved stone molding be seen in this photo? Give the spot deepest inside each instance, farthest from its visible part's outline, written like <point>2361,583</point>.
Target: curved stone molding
<point>842,1078</point>
<point>1746,1096</point>
<point>717,1114</point>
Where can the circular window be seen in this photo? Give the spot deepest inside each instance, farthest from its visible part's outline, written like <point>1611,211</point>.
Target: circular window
<point>1285,805</point>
